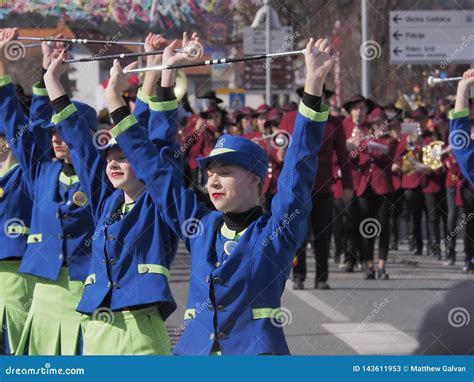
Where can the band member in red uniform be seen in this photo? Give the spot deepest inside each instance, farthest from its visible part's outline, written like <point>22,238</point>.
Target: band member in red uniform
<point>409,159</point>
<point>433,190</point>
<point>375,191</point>
<point>358,107</point>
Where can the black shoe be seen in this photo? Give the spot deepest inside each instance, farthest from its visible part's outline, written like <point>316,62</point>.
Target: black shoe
<point>382,275</point>
<point>321,285</point>
<point>370,275</point>
<point>298,285</point>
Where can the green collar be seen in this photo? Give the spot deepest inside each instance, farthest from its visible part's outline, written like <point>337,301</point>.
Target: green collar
<point>68,180</point>
<point>126,208</point>
<point>229,234</point>
<point>5,171</point>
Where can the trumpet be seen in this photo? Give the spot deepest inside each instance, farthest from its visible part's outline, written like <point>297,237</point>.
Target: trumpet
<point>410,164</point>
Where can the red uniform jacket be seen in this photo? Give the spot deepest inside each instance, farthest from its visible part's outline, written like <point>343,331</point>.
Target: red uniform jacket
<point>334,142</point>
<point>434,181</point>
<point>376,167</point>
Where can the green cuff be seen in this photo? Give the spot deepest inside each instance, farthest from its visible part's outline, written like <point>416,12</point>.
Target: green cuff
<point>458,114</point>
<point>143,97</point>
<point>57,118</point>
<point>5,80</point>
<point>322,116</point>
<point>164,106</point>
<point>124,124</point>
<point>39,91</point>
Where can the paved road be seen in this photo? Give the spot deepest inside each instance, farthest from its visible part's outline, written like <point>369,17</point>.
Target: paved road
<point>355,316</point>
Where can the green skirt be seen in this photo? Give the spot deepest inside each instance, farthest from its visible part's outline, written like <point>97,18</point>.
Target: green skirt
<point>15,301</point>
<point>53,326</point>
<point>128,332</point>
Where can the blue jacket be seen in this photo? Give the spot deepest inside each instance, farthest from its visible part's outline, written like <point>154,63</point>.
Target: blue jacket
<point>60,226</point>
<point>132,252</point>
<point>461,142</point>
<point>237,303</point>
<point>15,202</point>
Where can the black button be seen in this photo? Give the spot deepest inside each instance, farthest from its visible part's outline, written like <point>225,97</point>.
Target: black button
<point>115,286</point>
<point>211,308</point>
<point>217,280</point>
<point>112,261</point>
<point>221,336</point>
<point>110,237</point>
<point>68,237</point>
<point>221,308</point>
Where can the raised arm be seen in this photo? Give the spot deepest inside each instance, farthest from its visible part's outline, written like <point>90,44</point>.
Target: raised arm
<point>460,137</point>
<point>74,128</point>
<point>19,134</point>
<point>291,205</point>
<point>155,164</point>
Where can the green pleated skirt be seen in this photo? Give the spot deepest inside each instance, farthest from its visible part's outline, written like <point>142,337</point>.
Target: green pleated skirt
<point>128,332</point>
<point>16,292</point>
<point>53,326</point>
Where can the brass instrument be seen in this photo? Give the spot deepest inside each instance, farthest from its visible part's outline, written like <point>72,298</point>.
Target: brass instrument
<point>410,162</point>
<point>432,154</point>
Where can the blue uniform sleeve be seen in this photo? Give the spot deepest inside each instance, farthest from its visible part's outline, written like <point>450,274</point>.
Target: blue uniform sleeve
<point>142,109</point>
<point>19,133</point>
<point>41,113</point>
<point>158,165</point>
<point>292,205</point>
<point>88,162</point>
<point>461,143</point>
<point>163,124</point>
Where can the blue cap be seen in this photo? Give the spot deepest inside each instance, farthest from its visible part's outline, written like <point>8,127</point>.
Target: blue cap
<point>230,149</point>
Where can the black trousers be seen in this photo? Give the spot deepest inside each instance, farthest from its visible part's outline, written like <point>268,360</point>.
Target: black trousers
<point>434,212</point>
<point>468,205</point>
<point>415,204</point>
<point>339,227</point>
<point>320,224</point>
<point>352,242</point>
<point>375,222</point>
<point>396,211</point>
<point>453,215</point>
